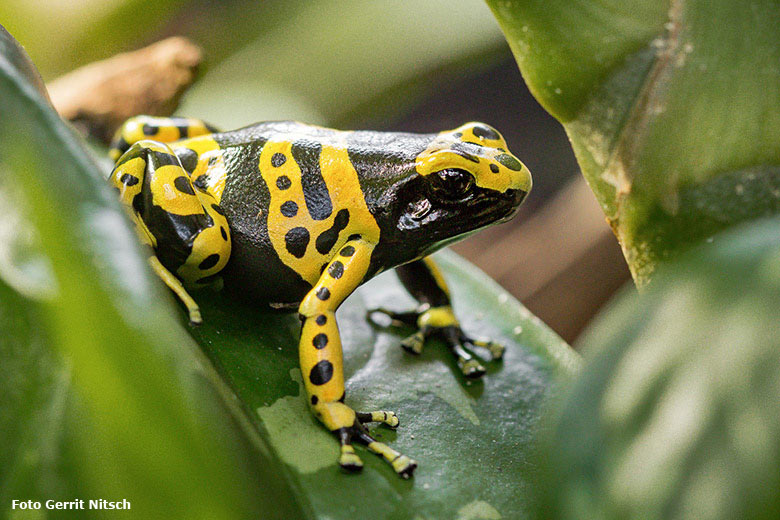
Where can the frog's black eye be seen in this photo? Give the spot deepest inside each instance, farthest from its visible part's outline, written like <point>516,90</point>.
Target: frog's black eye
<point>453,182</point>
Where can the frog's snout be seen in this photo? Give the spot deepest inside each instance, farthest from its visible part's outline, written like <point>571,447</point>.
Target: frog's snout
<point>515,198</point>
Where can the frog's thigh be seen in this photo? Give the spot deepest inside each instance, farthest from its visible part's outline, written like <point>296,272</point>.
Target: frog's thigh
<point>424,281</point>
<point>185,226</point>
<point>320,345</point>
<point>160,129</point>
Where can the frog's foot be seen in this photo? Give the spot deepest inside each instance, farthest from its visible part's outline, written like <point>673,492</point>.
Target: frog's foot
<point>195,316</point>
<point>441,322</point>
<point>349,460</point>
<point>176,286</point>
<point>401,464</point>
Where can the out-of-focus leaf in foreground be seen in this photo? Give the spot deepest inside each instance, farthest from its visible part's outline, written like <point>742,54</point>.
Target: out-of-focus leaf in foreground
<point>671,107</point>
<point>103,394</point>
<point>677,413</point>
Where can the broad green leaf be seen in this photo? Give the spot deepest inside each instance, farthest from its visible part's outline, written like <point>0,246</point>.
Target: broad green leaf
<point>671,107</point>
<point>104,395</point>
<point>22,264</point>
<point>472,440</point>
<point>677,412</point>
<point>20,62</point>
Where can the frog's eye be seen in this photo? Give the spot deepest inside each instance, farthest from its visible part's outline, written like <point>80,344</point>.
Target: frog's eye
<point>453,182</point>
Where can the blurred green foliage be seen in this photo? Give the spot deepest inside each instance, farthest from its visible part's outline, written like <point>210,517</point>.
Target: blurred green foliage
<point>677,414</point>
<point>332,62</point>
<point>673,113</point>
<point>102,394</point>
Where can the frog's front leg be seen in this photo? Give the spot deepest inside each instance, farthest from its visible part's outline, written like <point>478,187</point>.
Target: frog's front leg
<point>322,364</point>
<point>434,317</point>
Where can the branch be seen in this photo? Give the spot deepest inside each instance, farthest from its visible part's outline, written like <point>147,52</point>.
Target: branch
<point>99,97</point>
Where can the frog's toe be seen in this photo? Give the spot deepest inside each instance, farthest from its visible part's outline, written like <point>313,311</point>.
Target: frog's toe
<point>397,319</point>
<point>441,322</point>
<point>195,316</point>
<point>471,368</point>
<point>404,466</point>
<point>349,460</point>
<point>496,350</point>
<point>469,364</point>
<point>382,416</point>
<point>414,343</point>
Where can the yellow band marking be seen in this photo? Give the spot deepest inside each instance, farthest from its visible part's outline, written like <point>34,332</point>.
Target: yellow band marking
<point>211,163</point>
<point>436,273</point>
<point>284,184</point>
<point>437,317</point>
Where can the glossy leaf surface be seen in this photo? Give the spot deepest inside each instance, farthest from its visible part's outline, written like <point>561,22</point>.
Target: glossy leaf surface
<point>472,440</point>
<point>671,107</point>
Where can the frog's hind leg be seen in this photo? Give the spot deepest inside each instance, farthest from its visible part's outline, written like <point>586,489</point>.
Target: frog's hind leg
<point>434,317</point>
<point>322,364</point>
<point>160,129</point>
<point>176,286</point>
<point>185,227</point>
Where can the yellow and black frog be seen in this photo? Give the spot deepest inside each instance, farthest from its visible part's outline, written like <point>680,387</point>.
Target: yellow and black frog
<point>295,217</point>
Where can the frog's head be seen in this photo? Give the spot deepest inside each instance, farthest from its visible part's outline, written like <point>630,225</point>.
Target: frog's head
<point>428,190</point>
<point>468,179</point>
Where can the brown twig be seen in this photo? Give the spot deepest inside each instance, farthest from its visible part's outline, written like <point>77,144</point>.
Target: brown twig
<point>100,96</point>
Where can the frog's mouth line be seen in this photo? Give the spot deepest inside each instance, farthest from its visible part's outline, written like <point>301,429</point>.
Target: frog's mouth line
<point>490,207</point>
<point>507,204</point>
<point>518,196</point>
<point>437,223</point>
<point>449,241</point>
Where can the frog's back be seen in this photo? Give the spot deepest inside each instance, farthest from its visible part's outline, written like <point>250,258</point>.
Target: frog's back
<point>254,271</point>
<point>292,197</point>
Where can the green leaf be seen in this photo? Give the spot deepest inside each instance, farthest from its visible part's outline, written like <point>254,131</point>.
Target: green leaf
<point>103,394</point>
<point>677,412</point>
<point>472,440</point>
<point>670,107</point>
